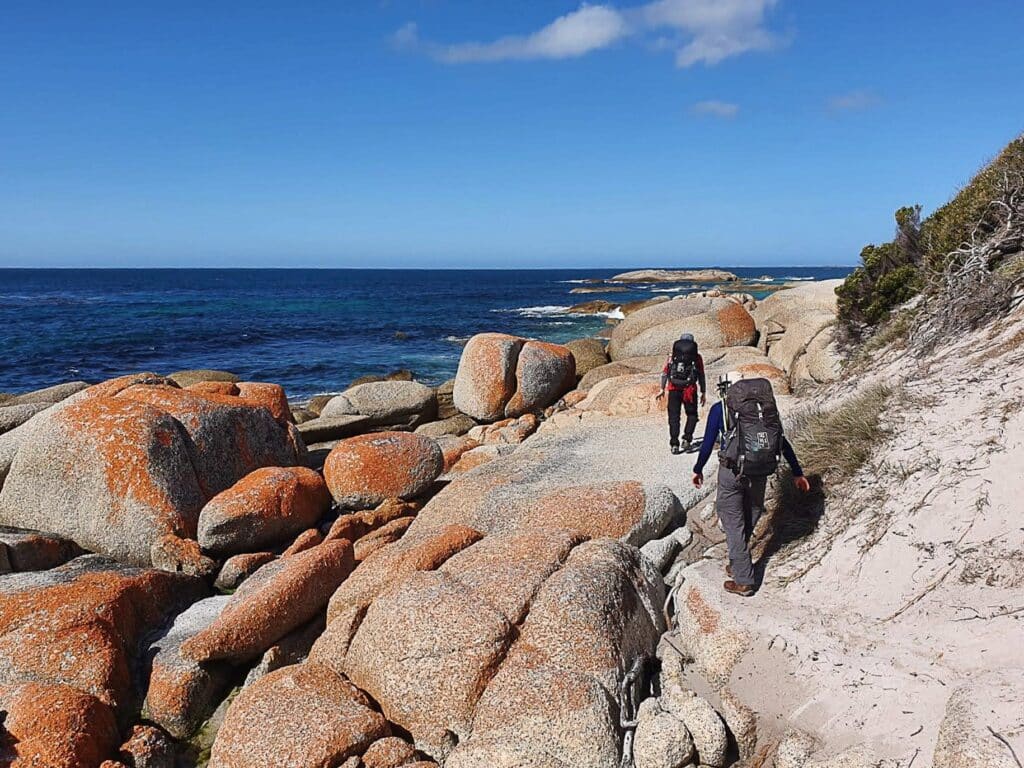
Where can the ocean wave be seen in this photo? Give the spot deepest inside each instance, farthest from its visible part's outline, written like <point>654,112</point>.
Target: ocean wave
<point>577,281</point>
<point>811,279</point>
<point>457,339</point>
<point>543,311</point>
<point>678,289</point>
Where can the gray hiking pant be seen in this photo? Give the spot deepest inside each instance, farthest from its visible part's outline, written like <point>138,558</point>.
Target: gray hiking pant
<point>740,505</point>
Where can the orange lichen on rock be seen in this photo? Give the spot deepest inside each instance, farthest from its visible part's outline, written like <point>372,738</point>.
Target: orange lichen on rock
<point>214,388</point>
<point>778,378</point>
<point>707,618</point>
<point>605,509</point>
<point>386,534</point>
<point>79,625</point>
<point>305,540</point>
<point>486,379</point>
<point>363,471</point>
<point>276,599</point>
<point>737,325</point>
<point>54,726</point>
<point>263,508</point>
<point>389,752</point>
<point>270,396</point>
<point>301,715</point>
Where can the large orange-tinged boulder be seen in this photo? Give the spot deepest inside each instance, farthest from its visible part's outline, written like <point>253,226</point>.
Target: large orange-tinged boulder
<point>363,471</point>
<point>486,378</point>
<point>501,375</point>
<point>232,436</point>
<point>270,396</point>
<point>544,372</point>
<point>81,624</point>
<point>279,597</point>
<point>305,715</point>
<point>112,475</point>
<point>714,322</point>
<point>264,508</point>
<point>54,726</point>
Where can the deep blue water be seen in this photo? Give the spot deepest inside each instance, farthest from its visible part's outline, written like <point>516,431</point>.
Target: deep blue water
<point>310,330</point>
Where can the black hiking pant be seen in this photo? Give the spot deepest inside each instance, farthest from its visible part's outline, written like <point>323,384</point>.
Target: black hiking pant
<point>676,403</point>
<point>740,504</point>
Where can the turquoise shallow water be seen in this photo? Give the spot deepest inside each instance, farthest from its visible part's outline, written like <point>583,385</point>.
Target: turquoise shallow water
<point>310,330</point>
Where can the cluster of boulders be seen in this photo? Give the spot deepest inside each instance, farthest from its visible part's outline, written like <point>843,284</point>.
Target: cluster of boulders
<point>194,563</point>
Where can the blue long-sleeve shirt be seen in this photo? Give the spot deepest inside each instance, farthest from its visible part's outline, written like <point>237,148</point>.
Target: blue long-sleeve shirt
<point>713,431</point>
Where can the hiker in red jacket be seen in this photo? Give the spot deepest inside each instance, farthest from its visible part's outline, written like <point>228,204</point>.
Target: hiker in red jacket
<point>682,375</point>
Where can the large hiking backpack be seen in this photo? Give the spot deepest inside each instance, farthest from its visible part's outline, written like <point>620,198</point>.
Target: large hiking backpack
<point>682,368</point>
<point>752,440</point>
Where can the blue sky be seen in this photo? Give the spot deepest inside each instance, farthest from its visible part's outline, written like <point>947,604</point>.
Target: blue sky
<point>430,133</point>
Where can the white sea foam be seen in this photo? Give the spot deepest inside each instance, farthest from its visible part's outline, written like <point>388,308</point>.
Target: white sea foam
<point>542,311</point>
<point>457,339</point>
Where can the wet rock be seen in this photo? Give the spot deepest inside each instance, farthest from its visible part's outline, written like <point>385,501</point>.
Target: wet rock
<point>386,403</point>
<point>544,372</point>
<point>486,378</point>
<point>81,624</point>
<point>34,551</point>
<point>238,568</point>
<point>262,509</point>
<point>588,354</point>
<point>183,693</point>
<point>54,726</point>
<point>661,740</point>
<point>363,471</point>
<point>459,424</point>
<point>302,715</point>
<point>196,375</point>
<point>270,396</point>
<point>279,597</point>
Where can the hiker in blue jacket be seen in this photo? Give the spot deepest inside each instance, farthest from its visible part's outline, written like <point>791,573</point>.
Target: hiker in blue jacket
<point>743,473</point>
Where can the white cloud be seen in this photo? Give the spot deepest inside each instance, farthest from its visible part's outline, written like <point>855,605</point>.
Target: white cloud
<point>699,31</point>
<point>713,108</point>
<point>854,101</point>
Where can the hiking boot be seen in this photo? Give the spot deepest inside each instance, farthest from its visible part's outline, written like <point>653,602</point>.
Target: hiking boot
<point>744,590</point>
<point>728,570</point>
<point>676,450</point>
<point>693,447</point>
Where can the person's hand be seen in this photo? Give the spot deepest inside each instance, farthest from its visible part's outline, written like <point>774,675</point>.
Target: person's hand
<point>703,399</point>
<point>660,395</point>
<point>698,479</point>
<point>802,484</point>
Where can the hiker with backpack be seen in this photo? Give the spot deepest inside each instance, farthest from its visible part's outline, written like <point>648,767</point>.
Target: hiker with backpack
<point>682,375</point>
<point>746,423</point>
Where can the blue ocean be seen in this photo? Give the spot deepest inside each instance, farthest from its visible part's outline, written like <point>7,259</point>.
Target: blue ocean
<point>310,330</point>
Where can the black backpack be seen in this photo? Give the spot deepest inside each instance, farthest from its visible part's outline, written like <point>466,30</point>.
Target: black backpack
<point>752,439</point>
<point>682,369</point>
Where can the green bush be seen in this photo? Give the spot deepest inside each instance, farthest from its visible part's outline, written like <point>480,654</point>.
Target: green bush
<point>893,273</point>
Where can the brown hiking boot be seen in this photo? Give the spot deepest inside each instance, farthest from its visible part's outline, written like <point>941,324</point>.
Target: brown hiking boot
<point>728,570</point>
<point>744,590</point>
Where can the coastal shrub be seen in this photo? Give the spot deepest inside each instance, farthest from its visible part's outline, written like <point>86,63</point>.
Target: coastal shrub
<point>953,257</point>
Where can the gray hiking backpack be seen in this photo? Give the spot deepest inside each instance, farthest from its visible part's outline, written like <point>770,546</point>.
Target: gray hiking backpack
<point>752,429</point>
